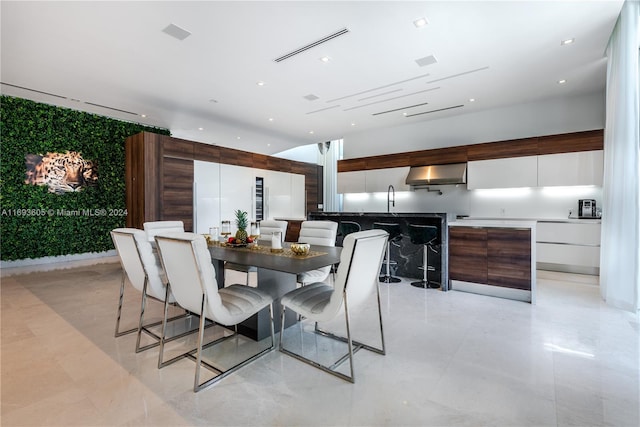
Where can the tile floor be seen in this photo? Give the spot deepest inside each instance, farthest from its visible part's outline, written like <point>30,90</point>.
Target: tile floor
<point>453,359</point>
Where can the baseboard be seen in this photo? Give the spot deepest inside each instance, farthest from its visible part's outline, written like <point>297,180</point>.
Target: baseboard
<point>31,265</point>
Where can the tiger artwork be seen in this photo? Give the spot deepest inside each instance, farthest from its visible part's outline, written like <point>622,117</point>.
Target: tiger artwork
<point>62,173</point>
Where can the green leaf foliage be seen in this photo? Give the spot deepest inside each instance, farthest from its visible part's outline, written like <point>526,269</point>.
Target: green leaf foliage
<point>36,223</point>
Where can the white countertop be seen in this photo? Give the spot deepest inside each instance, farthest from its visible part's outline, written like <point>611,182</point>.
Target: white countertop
<point>510,223</point>
<point>563,220</point>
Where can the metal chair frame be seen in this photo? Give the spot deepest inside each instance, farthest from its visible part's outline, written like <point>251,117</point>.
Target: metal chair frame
<point>197,385</point>
<point>141,326</point>
<point>354,346</point>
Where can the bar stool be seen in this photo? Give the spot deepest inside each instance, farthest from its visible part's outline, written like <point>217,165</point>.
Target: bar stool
<point>427,236</point>
<point>395,236</point>
<point>347,227</point>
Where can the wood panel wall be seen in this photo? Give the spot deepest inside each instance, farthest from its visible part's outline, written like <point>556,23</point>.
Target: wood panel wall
<point>159,176</point>
<point>550,144</point>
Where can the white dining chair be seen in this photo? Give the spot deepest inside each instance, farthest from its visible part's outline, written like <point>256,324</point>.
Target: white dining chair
<point>192,280</point>
<point>355,282</point>
<point>141,266</point>
<point>153,228</point>
<point>267,228</point>
<point>317,233</point>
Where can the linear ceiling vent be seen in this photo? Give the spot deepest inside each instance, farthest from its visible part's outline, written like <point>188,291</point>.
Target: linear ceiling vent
<point>34,90</point>
<point>311,45</point>
<point>111,108</point>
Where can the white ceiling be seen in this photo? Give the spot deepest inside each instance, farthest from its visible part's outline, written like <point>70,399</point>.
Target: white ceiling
<point>115,54</point>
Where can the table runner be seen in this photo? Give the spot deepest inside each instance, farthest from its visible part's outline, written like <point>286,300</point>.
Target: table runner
<point>286,252</point>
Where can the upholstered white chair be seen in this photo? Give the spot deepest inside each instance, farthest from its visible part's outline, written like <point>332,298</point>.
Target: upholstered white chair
<point>142,267</point>
<point>192,280</point>
<point>317,233</point>
<point>355,282</point>
<point>270,226</point>
<point>267,228</point>
<point>153,228</point>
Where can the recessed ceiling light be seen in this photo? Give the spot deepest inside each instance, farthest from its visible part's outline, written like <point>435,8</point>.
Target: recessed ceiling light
<point>404,114</point>
<point>268,145</point>
<point>311,132</point>
<point>472,100</point>
<point>200,128</point>
<point>420,22</point>
<point>143,115</point>
<point>237,137</point>
<point>561,82</point>
<point>260,83</point>
<point>567,41</point>
<point>353,124</point>
<point>325,59</point>
<point>270,119</point>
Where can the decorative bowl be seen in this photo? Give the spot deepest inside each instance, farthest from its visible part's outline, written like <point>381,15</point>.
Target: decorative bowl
<point>300,248</point>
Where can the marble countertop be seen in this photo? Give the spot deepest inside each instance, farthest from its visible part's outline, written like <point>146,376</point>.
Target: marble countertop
<point>387,214</point>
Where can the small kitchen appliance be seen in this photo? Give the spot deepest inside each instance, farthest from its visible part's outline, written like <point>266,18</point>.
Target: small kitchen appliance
<point>587,208</point>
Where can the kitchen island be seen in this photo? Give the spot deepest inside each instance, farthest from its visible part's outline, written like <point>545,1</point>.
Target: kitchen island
<point>496,258</point>
<point>407,255</point>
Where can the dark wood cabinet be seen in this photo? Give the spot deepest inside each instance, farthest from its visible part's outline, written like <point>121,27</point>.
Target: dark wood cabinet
<point>509,257</point>
<point>468,254</point>
<point>159,176</point>
<point>549,144</point>
<point>492,256</point>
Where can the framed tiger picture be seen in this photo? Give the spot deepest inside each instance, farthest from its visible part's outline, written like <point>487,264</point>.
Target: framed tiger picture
<point>61,172</point>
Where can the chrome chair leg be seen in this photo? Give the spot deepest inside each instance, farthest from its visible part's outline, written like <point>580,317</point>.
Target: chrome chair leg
<point>197,386</point>
<point>142,308</point>
<point>119,333</point>
<point>353,346</point>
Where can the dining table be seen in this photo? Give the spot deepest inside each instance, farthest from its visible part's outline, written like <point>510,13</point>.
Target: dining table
<point>277,271</point>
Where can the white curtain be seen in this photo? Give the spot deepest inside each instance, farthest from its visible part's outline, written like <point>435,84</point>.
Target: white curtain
<point>620,248</point>
<point>330,165</point>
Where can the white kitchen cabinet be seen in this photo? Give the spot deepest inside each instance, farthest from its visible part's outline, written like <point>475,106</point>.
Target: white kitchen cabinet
<point>278,194</point>
<point>378,180</point>
<point>582,168</point>
<point>206,212</point>
<point>513,172</point>
<point>298,196</point>
<point>569,246</point>
<point>352,182</point>
<point>236,192</point>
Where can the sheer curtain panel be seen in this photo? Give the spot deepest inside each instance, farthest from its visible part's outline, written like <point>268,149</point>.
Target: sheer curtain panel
<point>620,248</point>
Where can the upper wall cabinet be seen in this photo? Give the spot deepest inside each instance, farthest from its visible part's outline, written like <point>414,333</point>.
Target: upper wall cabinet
<point>378,180</point>
<point>352,182</point>
<point>503,173</point>
<point>581,168</point>
<point>373,180</point>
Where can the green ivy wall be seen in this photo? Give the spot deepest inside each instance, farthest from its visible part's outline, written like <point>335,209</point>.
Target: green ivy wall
<point>36,223</point>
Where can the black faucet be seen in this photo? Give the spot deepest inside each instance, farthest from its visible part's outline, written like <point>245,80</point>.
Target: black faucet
<point>391,192</point>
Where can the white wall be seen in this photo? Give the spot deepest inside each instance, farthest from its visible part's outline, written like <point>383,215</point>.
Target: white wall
<point>535,203</point>
<point>551,116</point>
<point>304,153</point>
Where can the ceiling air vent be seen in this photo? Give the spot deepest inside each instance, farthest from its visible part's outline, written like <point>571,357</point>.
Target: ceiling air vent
<point>311,45</point>
<point>34,90</point>
<point>174,31</point>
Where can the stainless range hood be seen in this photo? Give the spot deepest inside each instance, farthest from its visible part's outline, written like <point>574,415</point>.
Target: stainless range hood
<point>455,173</point>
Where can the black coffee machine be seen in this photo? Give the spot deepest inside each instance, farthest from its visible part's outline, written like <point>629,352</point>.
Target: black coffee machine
<point>587,208</point>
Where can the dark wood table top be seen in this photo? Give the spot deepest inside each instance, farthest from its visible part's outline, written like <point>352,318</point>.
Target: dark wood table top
<point>287,264</point>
